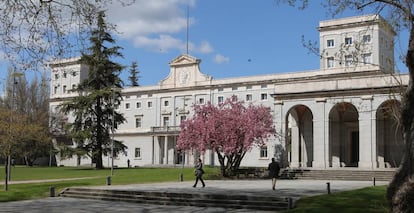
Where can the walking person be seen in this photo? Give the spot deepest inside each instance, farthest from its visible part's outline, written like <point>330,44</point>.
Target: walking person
<point>199,173</point>
<point>274,169</point>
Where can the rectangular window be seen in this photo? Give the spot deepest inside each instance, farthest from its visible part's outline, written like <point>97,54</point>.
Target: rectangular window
<point>249,87</point>
<point>263,86</point>
<point>182,118</point>
<point>263,152</point>
<point>201,100</point>
<point>330,61</point>
<point>149,104</point>
<point>137,152</point>
<point>166,103</point>
<point>64,88</point>
<point>366,58</point>
<point>138,105</point>
<point>366,38</point>
<point>348,40</point>
<point>65,74</point>
<point>234,88</point>
<point>348,60</point>
<point>126,105</point>
<point>249,97</point>
<point>263,96</point>
<point>138,122</point>
<point>389,62</point>
<point>166,121</point>
<point>220,99</point>
<point>220,89</point>
<point>330,43</point>
<point>56,76</point>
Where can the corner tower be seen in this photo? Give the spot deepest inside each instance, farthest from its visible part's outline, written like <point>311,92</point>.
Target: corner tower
<point>355,44</point>
<point>65,75</point>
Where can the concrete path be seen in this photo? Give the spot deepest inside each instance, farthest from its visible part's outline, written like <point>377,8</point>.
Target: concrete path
<point>285,188</point>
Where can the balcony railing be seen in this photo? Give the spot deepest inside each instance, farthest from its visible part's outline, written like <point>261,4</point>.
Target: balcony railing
<point>165,129</point>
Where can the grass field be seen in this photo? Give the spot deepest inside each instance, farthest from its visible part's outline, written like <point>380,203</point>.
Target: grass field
<point>367,200</point>
<point>371,199</point>
<point>92,177</point>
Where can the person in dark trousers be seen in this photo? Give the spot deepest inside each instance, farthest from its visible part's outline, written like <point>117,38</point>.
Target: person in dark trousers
<point>274,169</point>
<point>199,173</point>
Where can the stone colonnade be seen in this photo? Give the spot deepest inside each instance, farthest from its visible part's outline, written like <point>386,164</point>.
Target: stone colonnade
<point>358,131</point>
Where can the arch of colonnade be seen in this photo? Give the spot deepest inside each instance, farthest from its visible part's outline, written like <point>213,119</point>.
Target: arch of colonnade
<point>328,133</point>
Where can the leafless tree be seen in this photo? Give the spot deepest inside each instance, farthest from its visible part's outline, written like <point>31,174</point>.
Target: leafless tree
<point>35,31</point>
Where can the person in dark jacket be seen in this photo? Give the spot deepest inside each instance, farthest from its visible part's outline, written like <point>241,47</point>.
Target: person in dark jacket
<point>274,169</point>
<point>199,173</point>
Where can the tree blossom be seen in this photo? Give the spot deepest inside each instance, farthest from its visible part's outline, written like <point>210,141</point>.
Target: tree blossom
<point>230,129</point>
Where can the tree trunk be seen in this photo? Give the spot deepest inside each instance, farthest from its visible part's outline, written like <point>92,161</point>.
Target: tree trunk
<point>98,157</point>
<point>222,167</point>
<point>400,191</point>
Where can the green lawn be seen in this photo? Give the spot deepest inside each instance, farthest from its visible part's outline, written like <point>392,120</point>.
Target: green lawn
<point>94,177</point>
<point>371,199</point>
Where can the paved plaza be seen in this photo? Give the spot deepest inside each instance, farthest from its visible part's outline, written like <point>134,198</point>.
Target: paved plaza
<point>285,188</point>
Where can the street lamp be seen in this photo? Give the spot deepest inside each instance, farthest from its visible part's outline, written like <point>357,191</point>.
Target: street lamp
<point>113,138</point>
<point>8,166</point>
<point>114,90</point>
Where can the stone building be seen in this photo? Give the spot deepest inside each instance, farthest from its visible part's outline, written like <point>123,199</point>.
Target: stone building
<point>342,115</point>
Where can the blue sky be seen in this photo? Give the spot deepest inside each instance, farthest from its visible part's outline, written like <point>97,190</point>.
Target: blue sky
<point>232,37</point>
<point>239,38</point>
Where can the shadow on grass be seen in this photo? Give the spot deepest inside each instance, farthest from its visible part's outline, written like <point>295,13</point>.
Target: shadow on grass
<point>40,190</point>
<point>370,199</point>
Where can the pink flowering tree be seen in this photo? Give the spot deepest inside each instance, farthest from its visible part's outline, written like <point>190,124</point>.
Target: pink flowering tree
<point>231,129</point>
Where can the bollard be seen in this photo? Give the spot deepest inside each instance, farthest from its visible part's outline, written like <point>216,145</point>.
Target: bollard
<point>328,187</point>
<point>181,177</point>
<point>373,181</point>
<point>108,180</point>
<point>290,203</point>
<point>52,191</point>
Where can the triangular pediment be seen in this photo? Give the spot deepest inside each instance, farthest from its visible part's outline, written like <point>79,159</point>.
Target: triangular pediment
<point>184,72</point>
<point>184,60</point>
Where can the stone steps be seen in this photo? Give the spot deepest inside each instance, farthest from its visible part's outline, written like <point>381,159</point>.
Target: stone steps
<point>362,175</point>
<point>234,201</point>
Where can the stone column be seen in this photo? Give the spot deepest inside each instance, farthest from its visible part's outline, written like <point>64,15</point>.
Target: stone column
<point>157,150</point>
<point>380,143</point>
<point>280,126</point>
<point>334,144</point>
<point>367,146</point>
<point>296,142</point>
<point>153,150</point>
<point>320,142</point>
<point>165,150</point>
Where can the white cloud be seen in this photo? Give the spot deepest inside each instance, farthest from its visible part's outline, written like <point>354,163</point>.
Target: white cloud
<point>163,43</point>
<point>205,47</point>
<point>220,59</point>
<point>153,24</point>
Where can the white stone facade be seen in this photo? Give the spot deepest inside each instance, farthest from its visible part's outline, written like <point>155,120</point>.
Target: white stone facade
<point>338,116</point>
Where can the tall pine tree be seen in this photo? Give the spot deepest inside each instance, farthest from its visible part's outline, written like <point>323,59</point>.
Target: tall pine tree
<point>133,75</point>
<point>99,95</point>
